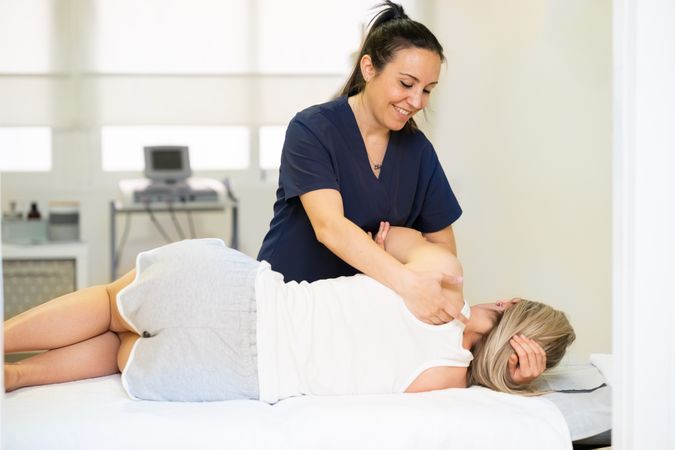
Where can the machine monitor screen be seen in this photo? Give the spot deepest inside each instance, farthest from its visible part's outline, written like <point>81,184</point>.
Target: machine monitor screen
<point>168,164</point>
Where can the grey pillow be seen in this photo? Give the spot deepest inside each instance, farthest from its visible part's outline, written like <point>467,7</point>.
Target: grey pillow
<point>581,393</point>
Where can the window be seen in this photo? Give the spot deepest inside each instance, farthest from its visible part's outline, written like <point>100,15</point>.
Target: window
<point>170,36</point>
<point>234,36</point>
<point>218,62</point>
<point>25,36</point>
<point>271,143</point>
<point>211,147</point>
<point>309,36</point>
<point>25,149</point>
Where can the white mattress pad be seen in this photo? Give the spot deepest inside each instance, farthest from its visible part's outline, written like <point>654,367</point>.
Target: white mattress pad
<point>97,413</point>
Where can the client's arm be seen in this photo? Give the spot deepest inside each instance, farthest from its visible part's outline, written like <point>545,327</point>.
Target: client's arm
<point>415,251</point>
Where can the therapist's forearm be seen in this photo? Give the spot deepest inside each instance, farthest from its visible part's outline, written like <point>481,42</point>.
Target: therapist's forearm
<point>351,244</point>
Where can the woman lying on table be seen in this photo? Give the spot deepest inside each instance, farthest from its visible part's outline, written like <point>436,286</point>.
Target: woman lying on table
<point>198,321</point>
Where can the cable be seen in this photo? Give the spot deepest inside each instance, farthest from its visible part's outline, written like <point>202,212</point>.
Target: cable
<point>123,241</point>
<point>191,224</point>
<point>174,219</point>
<point>229,192</point>
<point>234,238</point>
<point>157,224</point>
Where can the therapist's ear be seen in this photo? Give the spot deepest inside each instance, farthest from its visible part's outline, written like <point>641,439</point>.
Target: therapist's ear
<point>367,69</point>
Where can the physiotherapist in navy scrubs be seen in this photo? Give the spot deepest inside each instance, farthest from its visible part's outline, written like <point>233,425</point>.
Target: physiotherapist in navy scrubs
<point>350,164</point>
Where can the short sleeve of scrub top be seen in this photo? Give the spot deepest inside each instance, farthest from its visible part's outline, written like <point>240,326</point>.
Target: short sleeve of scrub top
<point>324,149</point>
<point>307,164</point>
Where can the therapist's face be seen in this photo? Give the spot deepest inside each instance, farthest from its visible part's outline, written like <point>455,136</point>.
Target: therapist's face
<point>402,87</point>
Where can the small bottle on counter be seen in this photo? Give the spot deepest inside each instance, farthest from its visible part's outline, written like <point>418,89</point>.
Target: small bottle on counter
<point>34,213</point>
<point>13,213</point>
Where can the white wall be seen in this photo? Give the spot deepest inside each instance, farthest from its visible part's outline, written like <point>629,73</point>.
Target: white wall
<point>644,220</point>
<point>522,123</point>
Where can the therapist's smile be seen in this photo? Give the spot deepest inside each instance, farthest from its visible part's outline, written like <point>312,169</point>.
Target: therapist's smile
<point>404,113</point>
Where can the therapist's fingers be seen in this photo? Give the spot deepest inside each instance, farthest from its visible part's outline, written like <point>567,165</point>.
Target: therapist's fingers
<point>462,318</point>
<point>438,316</point>
<point>444,316</point>
<point>454,311</point>
<point>454,280</point>
<point>435,320</point>
<point>438,320</point>
<point>454,303</point>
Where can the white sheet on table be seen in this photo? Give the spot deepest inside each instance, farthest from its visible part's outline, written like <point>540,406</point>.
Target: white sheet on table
<point>98,414</point>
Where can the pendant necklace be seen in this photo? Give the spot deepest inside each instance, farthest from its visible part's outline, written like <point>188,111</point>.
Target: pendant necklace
<point>375,165</point>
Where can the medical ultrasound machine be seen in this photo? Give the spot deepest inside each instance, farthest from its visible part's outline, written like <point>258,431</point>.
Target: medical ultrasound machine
<point>168,180</point>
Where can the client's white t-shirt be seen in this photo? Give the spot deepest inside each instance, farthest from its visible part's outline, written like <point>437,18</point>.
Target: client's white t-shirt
<point>349,335</point>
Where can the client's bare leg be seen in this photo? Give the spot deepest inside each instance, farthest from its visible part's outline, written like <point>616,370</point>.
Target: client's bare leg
<point>95,357</point>
<point>127,341</point>
<point>78,329</point>
<point>68,319</point>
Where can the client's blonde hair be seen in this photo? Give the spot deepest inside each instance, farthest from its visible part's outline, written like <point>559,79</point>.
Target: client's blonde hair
<point>541,323</point>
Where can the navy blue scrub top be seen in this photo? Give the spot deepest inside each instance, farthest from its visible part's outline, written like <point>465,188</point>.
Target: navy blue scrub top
<point>324,150</point>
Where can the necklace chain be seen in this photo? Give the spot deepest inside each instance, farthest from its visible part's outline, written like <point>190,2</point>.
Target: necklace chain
<point>376,166</point>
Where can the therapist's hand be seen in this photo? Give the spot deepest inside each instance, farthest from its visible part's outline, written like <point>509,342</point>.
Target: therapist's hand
<point>528,361</point>
<point>433,297</point>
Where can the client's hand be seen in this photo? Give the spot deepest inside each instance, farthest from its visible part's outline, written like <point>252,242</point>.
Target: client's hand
<point>528,362</point>
<point>433,297</point>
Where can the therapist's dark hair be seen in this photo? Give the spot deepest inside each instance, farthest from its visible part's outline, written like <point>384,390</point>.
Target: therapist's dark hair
<point>390,30</point>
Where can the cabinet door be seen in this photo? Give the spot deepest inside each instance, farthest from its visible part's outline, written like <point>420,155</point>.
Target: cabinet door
<point>29,282</point>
